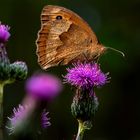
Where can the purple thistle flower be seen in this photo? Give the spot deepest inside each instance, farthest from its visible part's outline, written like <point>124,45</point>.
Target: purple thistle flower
<point>4,33</point>
<point>45,121</point>
<point>17,119</point>
<point>86,75</point>
<point>43,86</point>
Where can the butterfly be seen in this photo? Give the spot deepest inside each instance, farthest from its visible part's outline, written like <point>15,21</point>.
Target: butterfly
<point>65,37</point>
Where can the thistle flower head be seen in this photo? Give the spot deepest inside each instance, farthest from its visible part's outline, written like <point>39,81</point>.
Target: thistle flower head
<point>4,33</point>
<point>86,75</point>
<point>45,120</point>
<point>43,86</point>
<point>17,119</point>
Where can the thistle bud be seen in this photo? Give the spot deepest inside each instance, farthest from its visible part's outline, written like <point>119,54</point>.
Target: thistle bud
<point>18,71</point>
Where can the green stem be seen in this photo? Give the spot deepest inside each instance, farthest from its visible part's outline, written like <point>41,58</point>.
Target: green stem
<point>1,111</point>
<point>81,131</point>
<point>83,125</point>
<point>1,105</point>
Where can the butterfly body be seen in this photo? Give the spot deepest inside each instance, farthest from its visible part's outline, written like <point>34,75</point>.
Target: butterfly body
<point>65,37</point>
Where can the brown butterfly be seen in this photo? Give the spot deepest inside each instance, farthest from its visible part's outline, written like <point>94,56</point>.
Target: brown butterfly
<point>65,37</point>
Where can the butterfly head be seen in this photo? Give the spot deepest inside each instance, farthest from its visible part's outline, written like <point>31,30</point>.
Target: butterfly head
<point>96,50</point>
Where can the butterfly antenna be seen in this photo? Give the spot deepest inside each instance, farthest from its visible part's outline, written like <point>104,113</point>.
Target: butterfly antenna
<point>113,49</point>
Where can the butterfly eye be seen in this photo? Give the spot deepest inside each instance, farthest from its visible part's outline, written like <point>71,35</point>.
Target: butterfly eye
<point>59,17</point>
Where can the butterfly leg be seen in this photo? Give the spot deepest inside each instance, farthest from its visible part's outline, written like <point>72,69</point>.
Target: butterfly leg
<point>94,59</point>
<point>86,57</point>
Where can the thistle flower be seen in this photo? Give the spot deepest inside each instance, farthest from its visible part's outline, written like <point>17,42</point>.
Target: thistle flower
<point>45,123</point>
<point>4,33</point>
<point>43,86</point>
<point>21,115</point>
<point>86,75</point>
<point>39,87</point>
<point>18,119</point>
<point>8,72</point>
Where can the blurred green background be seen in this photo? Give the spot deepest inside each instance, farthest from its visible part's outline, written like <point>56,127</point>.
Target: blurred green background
<point>116,24</point>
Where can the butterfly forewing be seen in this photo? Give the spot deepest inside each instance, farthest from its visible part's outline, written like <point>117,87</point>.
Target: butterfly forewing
<point>63,37</point>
